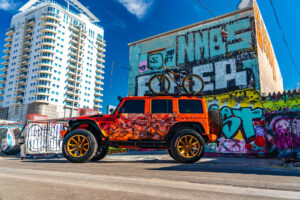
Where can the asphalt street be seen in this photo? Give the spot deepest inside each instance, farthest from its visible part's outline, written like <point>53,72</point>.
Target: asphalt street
<point>149,176</point>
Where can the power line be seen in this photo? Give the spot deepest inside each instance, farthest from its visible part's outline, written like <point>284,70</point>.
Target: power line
<point>221,23</point>
<point>284,39</point>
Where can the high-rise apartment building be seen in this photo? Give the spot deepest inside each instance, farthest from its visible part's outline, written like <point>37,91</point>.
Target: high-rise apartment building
<point>54,56</point>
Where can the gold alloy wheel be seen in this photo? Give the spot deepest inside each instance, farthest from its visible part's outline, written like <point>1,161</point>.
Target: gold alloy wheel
<point>78,145</point>
<point>188,146</point>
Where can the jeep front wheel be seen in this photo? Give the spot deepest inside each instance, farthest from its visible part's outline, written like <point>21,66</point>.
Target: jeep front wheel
<point>79,146</point>
<point>187,146</point>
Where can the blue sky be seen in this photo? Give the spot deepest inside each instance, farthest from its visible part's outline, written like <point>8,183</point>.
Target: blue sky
<point>125,21</point>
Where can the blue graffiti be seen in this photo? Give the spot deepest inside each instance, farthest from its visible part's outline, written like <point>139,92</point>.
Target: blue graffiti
<point>240,119</point>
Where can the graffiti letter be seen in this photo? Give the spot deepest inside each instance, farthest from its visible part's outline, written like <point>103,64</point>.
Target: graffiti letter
<point>202,71</point>
<point>217,46</point>
<point>201,45</point>
<point>185,45</point>
<point>226,71</point>
<point>230,125</point>
<point>247,115</point>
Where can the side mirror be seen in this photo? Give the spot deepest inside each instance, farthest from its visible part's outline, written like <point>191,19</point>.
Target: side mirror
<point>120,98</point>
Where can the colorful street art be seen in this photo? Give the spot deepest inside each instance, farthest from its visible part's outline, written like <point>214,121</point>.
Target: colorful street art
<point>224,64</point>
<point>230,68</point>
<point>282,114</point>
<point>243,124</point>
<point>9,139</point>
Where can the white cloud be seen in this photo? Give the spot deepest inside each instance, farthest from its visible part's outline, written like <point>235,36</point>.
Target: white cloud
<point>8,5</point>
<point>139,8</point>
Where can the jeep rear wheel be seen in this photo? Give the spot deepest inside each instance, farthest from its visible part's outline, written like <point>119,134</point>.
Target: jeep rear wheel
<point>187,146</point>
<point>79,146</point>
<point>100,154</point>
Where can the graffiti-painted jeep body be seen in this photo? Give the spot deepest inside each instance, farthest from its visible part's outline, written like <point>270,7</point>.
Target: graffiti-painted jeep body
<point>179,124</point>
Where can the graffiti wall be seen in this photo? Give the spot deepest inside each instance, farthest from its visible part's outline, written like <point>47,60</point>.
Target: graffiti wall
<point>225,64</point>
<point>282,116</point>
<point>9,139</point>
<point>243,124</point>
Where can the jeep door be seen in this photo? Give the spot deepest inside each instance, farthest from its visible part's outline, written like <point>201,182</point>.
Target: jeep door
<point>131,122</point>
<point>162,118</point>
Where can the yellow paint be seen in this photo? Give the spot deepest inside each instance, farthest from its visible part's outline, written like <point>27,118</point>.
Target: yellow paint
<point>239,136</point>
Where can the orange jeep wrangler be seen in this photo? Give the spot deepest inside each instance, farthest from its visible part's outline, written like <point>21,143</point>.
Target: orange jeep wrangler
<point>177,123</point>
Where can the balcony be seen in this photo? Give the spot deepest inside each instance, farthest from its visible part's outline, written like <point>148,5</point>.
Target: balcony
<point>73,53</point>
<point>100,54</point>
<point>22,82</point>
<point>26,49</point>
<point>27,42</point>
<point>24,68</point>
<point>25,55</point>
<point>40,85</point>
<point>74,35</point>
<point>3,74</point>
<point>8,44</point>
<point>25,62</point>
<point>99,76</point>
<point>99,48</point>
<point>29,30</point>
<point>41,93</point>
<point>74,27</point>
<point>28,36</point>
<point>44,65</point>
<point>47,51</point>
<point>7,50</point>
<point>97,106</point>
<point>23,75</point>
<point>6,62</point>
<point>47,36</point>
<point>44,71</point>
<point>51,30</point>
<point>3,81</point>
<point>97,91</point>
<point>8,39</point>
<point>97,81</point>
<point>21,89</point>
<point>10,32</point>
<point>46,58</point>
<point>98,100</point>
<point>100,42</point>
<point>50,15</point>
<point>20,95</point>
<point>4,69</point>
<point>49,23</point>
<point>99,59</point>
<point>74,41</point>
<point>70,86</point>
<point>6,57</point>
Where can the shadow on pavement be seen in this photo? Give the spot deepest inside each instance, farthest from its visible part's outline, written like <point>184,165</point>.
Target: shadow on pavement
<point>206,167</point>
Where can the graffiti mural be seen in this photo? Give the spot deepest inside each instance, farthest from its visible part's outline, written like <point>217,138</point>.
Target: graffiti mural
<point>224,64</point>
<point>42,138</point>
<point>282,114</point>
<point>9,139</point>
<point>243,124</point>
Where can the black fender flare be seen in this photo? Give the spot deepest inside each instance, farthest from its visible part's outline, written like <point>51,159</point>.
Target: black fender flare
<point>195,125</point>
<point>95,129</point>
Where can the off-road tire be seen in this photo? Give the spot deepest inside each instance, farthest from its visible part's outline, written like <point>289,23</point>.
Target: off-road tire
<point>215,122</point>
<point>170,153</point>
<point>93,146</point>
<point>100,153</point>
<point>174,141</point>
